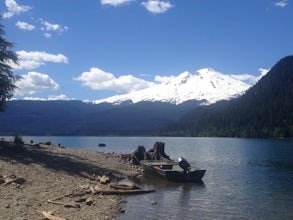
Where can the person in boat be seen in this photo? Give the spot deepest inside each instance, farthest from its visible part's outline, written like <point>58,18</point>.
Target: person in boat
<point>184,165</point>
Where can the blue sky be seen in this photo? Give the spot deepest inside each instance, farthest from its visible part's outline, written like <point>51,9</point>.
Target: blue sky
<point>92,49</point>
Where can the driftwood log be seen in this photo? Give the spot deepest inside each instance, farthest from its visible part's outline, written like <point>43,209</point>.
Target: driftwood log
<point>103,179</point>
<point>123,186</point>
<point>6,180</point>
<point>118,189</point>
<point>66,205</point>
<point>49,216</point>
<point>156,153</point>
<point>123,192</point>
<point>113,189</point>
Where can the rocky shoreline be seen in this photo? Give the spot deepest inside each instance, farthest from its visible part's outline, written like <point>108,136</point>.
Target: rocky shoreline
<point>48,180</point>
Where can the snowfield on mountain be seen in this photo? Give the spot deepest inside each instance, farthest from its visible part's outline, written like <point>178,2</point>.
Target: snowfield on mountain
<point>205,84</point>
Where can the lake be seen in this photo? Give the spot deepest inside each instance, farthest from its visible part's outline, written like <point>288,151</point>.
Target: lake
<point>245,178</point>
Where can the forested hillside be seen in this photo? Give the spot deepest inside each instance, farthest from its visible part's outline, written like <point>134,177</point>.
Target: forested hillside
<point>265,110</point>
<point>79,118</point>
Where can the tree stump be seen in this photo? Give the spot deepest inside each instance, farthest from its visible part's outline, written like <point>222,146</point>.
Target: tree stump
<point>139,154</point>
<point>158,152</point>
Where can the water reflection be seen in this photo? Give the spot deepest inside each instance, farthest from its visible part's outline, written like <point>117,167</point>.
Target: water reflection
<point>157,182</point>
<point>171,199</point>
<point>185,195</point>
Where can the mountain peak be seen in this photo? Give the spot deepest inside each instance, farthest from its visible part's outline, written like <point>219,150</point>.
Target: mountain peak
<point>206,70</point>
<point>206,85</point>
<point>181,78</point>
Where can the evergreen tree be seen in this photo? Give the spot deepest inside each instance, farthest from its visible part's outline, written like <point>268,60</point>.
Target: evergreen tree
<point>7,78</point>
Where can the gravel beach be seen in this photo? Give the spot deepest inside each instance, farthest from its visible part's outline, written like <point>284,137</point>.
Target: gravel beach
<point>45,179</point>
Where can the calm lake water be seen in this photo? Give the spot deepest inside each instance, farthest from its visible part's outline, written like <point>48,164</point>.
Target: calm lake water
<point>245,178</point>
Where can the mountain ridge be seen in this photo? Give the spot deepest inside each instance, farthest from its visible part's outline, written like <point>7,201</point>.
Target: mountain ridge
<point>265,110</point>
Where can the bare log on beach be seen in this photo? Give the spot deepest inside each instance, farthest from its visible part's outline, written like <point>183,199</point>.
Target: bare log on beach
<point>113,189</point>
<point>119,189</point>
<point>66,205</point>
<point>49,216</point>
<point>123,186</point>
<point>123,192</point>
<point>6,180</point>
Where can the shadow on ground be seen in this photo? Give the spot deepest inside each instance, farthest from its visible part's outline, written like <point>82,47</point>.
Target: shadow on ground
<point>36,154</point>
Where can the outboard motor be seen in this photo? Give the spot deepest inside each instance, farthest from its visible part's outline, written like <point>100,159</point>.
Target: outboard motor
<point>184,164</point>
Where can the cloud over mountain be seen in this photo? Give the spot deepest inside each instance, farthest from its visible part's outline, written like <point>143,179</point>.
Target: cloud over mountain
<point>98,79</point>
<point>50,98</point>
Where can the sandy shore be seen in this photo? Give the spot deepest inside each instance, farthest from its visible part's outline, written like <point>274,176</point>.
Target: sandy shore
<point>58,174</point>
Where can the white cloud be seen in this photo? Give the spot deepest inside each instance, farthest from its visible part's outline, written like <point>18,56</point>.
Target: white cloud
<point>115,2</point>
<point>34,82</point>
<point>281,4</point>
<point>98,79</point>
<point>263,72</point>
<point>14,8</point>
<point>31,98</point>
<point>25,26</point>
<point>156,6</point>
<point>47,35</point>
<point>50,98</point>
<point>33,59</point>
<point>47,26</point>
<point>247,78</point>
<point>59,97</point>
<point>164,79</point>
<point>251,79</point>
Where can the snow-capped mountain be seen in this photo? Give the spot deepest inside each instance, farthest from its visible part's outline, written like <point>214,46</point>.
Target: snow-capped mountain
<point>205,84</point>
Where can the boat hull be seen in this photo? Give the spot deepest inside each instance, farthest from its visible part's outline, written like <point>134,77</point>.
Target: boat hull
<point>171,171</point>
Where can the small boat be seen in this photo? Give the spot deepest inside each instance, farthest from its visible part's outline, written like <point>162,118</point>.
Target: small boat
<point>171,171</point>
<point>102,145</point>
